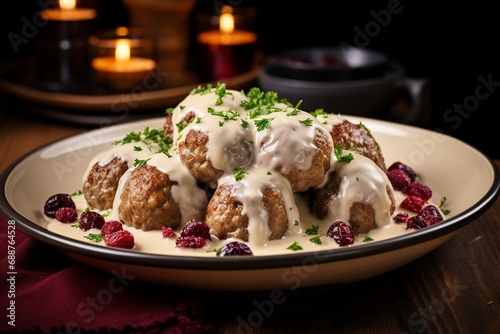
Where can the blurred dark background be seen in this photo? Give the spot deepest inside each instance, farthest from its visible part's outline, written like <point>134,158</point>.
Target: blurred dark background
<point>453,44</point>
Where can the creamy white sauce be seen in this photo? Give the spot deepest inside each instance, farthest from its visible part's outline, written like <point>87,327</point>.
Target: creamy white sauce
<point>287,143</point>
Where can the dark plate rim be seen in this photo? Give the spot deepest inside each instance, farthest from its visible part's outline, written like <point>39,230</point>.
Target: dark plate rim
<point>69,245</point>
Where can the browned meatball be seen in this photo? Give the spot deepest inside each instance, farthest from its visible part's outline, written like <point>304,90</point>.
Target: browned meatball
<point>146,200</point>
<point>100,186</point>
<point>354,136</point>
<point>301,179</point>
<point>168,126</point>
<point>225,217</point>
<point>193,154</point>
<point>362,215</point>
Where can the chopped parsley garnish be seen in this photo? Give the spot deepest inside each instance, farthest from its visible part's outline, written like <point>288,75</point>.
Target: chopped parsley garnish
<point>258,99</point>
<point>148,137</point>
<point>342,158</point>
<point>295,246</point>
<point>76,193</point>
<point>220,91</point>
<point>441,206</point>
<point>169,110</point>
<point>263,124</point>
<point>316,239</point>
<point>138,162</point>
<point>306,122</point>
<point>295,222</point>
<point>313,230</point>
<point>239,174</point>
<point>319,112</point>
<point>96,237</point>
<point>227,115</point>
<point>181,125</point>
<point>368,239</point>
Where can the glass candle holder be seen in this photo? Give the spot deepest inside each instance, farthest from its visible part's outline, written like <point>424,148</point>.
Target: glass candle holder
<point>226,49</point>
<point>63,51</point>
<point>124,58</point>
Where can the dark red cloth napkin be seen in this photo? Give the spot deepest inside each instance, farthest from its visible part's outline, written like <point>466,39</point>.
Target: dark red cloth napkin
<point>45,291</point>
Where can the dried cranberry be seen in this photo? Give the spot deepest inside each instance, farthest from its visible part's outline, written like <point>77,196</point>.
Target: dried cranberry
<point>121,239</point>
<point>66,215</point>
<point>57,201</point>
<point>91,219</point>
<point>420,190</point>
<point>416,222</point>
<point>167,232</point>
<point>400,218</point>
<point>234,248</point>
<point>341,233</point>
<point>190,241</point>
<point>111,227</point>
<point>407,169</point>
<point>431,215</point>
<point>196,228</point>
<point>399,179</point>
<point>413,203</point>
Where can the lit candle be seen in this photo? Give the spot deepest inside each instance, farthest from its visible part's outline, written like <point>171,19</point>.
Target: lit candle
<point>228,51</point>
<point>68,11</point>
<point>63,50</point>
<point>122,71</point>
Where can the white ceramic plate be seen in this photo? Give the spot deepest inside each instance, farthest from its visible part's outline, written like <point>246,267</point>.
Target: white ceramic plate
<point>453,169</point>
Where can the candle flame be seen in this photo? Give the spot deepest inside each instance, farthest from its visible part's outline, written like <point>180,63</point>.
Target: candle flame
<point>67,4</point>
<point>122,52</point>
<point>226,20</point>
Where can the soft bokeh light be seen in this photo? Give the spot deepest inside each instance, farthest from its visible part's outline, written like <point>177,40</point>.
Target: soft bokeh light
<point>67,4</point>
<point>122,52</point>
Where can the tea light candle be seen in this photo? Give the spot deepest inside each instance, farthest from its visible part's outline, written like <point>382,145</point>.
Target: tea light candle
<point>122,72</point>
<point>63,50</point>
<point>68,11</point>
<point>228,51</point>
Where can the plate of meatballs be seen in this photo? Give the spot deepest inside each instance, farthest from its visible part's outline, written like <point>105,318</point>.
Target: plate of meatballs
<point>234,190</point>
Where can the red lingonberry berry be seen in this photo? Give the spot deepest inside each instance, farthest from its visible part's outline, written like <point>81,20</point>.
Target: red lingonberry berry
<point>399,179</point>
<point>419,189</point>
<point>415,222</point>
<point>120,239</point>
<point>111,227</point>
<point>196,228</point>
<point>234,248</point>
<point>413,203</point>
<point>57,201</point>
<point>91,219</point>
<point>190,241</point>
<point>431,215</point>
<point>400,218</point>
<point>167,232</point>
<point>66,215</point>
<point>407,169</point>
<point>341,233</point>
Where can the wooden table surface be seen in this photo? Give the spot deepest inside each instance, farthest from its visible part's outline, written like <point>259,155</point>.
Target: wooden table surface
<point>454,289</point>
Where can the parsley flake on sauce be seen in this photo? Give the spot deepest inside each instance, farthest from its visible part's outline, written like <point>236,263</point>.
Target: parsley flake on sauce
<point>342,158</point>
<point>239,173</point>
<point>295,246</point>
